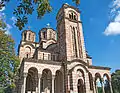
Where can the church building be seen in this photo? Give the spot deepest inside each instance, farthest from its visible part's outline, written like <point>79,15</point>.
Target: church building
<point>59,63</point>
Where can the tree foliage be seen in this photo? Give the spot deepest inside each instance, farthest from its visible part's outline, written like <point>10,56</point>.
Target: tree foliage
<point>26,8</point>
<point>9,62</point>
<point>116,81</point>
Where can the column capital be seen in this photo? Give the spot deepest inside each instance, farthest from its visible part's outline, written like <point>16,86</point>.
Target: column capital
<point>25,74</point>
<point>53,76</point>
<point>39,75</point>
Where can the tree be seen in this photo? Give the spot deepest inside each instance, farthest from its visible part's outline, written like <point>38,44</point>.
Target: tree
<point>26,7</point>
<point>116,81</point>
<point>9,62</point>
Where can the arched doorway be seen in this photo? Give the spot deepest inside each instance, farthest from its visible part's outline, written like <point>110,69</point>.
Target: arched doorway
<point>98,83</point>
<point>46,81</point>
<point>32,80</point>
<point>59,82</point>
<point>81,81</point>
<point>106,83</point>
<point>80,86</point>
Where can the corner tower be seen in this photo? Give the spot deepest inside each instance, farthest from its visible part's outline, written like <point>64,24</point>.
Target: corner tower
<point>28,35</point>
<point>70,34</point>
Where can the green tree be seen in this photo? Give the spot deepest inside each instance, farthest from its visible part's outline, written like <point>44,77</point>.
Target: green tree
<point>26,8</point>
<point>116,81</point>
<point>9,62</point>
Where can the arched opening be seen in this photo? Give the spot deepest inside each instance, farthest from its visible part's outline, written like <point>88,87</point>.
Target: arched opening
<point>27,52</point>
<point>59,82</point>
<point>106,83</point>
<point>29,36</point>
<point>98,83</point>
<point>24,36</point>
<point>46,81</point>
<point>32,80</point>
<point>75,17</point>
<point>90,81</point>
<point>70,16</point>
<point>81,81</point>
<point>80,86</point>
<point>44,35</point>
<point>75,42</point>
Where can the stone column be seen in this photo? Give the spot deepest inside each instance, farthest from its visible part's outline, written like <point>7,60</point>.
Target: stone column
<point>68,82</point>
<point>94,85</point>
<point>39,80</point>
<point>102,82</point>
<point>53,81</point>
<point>110,87</point>
<point>24,82</point>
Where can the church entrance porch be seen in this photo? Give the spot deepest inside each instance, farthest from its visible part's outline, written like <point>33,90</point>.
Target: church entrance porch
<point>46,81</point>
<point>32,81</point>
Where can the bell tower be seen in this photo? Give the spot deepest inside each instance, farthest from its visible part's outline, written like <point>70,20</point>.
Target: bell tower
<point>28,35</point>
<point>70,34</point>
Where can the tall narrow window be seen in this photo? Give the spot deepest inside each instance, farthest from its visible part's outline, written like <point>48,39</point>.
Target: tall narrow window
<point>29,37</point>
<point>49,57</point>
<point>43,56</point>
<point>27,56</point>
<point>90,81</point>
<point>24,36</point>
<point>44,34</point>
<point>75,43</point>
<point>72,16</point>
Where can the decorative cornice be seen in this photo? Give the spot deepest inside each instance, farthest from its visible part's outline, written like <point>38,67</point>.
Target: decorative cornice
<point>78,60</point>
<point>27,43</point>
<point>43,61</point>
<point>99,67</point>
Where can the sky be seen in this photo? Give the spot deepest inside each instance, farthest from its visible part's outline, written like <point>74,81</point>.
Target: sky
<point>101,27</point>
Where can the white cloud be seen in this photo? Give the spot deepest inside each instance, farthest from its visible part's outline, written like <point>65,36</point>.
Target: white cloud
<point>13,20</point>
<point>3,8</point>
<point>8,29</point>
<point>113,27</point>
<point>2,15</point>
<point>117,18</point>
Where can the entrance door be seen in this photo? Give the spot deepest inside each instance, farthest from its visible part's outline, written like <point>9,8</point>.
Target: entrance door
<point>80,86</point>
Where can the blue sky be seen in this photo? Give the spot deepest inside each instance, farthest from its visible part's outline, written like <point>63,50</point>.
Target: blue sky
<point>101,26</point>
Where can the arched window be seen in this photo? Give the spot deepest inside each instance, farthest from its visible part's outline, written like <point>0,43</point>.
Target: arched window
<point>27,52</point>
<point>90,81</point>
<point>43,56</point>
<point>75,43</point>
<point>70,16</point>
<point>43,34</point>
<point>49,57</point>
<point>74,17</point>
<point>24,36</point>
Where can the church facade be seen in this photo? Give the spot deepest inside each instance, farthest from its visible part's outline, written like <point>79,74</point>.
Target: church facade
<point>59,63</point>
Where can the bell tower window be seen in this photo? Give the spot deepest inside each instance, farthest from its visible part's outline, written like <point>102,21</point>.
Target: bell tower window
<point>29,36</point>
<point>44,34</point>
<point>74,37</point>
<point>24,36</point>
<point>72,15</point>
